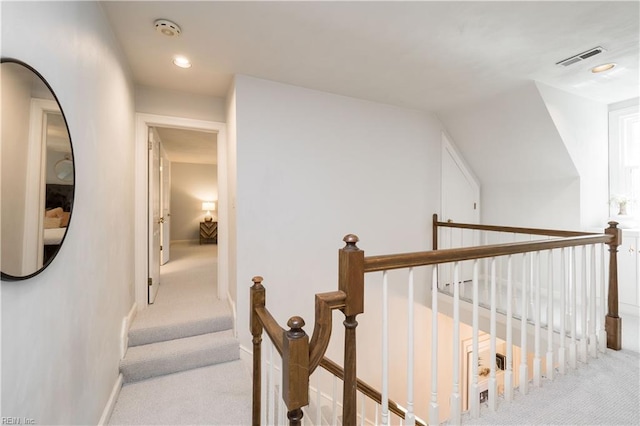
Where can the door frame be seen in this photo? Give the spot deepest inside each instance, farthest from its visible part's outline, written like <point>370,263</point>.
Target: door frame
<point>141,202</point>
<point>449,147</point>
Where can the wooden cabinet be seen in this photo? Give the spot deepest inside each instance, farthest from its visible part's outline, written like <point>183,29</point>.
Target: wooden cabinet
<point>209,232</point>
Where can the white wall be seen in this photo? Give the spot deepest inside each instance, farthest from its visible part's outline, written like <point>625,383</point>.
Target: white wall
<point>153,100</point>
<point>191,184</point>
<point>514,148</point>
<point>313,167</point>
<point>60,329</point>
<point>583,126</point>
<point>229,213</point>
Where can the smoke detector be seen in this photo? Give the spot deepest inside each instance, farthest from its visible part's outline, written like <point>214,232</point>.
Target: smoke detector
<point>168,28</point>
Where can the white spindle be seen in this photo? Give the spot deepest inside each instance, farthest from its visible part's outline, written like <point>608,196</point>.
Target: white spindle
<point>410,417</point>
<point>474,394</point>
<point>281,417</point>
<point>524,368</point>
<point>550,297</point>
<point>375,420</point>
<point>456,405</point>
<point>318,399</point>
<point>583,306</point>
<point>272,388</point>
<point>562,351</point>
<point>537,361</point>
<point>434,410</point>
<point>508,373</point>
<point>334,398</point>
<point>602,334</point>
<point>593,342</point>
<point>493,383</point>
<point>385,349</point>
<point>264,384</point>
<point>572,300</point>
<point>363,411</point>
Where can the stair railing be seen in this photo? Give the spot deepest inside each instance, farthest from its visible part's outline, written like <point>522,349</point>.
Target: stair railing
<point>301,355</point>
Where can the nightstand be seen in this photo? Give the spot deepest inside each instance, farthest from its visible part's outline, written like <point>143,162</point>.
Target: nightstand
<point>209,232</point>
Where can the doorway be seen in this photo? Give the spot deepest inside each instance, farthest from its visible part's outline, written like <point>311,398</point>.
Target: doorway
<point>144,250</point>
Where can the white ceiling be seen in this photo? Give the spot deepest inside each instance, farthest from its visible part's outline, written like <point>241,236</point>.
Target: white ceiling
<point>432,56</point>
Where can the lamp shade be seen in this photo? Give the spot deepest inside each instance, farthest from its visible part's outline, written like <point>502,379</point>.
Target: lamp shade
<point>208,205</point>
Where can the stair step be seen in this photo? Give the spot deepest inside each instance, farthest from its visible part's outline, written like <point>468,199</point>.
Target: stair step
<point>166,357</point>
<point>153,326</point>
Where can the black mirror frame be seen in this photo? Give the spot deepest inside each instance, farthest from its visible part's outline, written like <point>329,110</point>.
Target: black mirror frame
<point>8,277</point>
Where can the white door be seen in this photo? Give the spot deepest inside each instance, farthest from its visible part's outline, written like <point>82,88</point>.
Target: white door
<point>165,195</point>
<point>154,216</point>
<point>460,191</point>
<point>460,203</point>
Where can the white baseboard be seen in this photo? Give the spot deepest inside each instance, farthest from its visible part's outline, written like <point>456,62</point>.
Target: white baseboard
<point>246,355</point>
<point>111,402</point>
<point>124,331</point>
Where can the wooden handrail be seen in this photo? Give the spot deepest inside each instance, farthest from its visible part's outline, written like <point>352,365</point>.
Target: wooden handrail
<point>272,328</point>
<point>368,390</point>
<point>509,229</point>
<point>408,260</point>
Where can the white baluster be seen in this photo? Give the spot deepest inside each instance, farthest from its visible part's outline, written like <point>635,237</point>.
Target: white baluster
<point>584,308</point>
<point>375,420</point>
<point>562,351</point>
<point>281,417</point>
<point>263,381</point>
<point>593,341</point>
<point>434,410</point>
<point>456,405</point>
<point>493,383</point>
<point>334,398</point>
<point>537,361</point>
<point>574,317</point>
<point>508,374</point>
<point>524,368</point>
<point>474,393</point>
<point>272,389</point>
<point>410,417</point>
<point>318,398</point>
<point>602,334</point>
<point>385,349</point>
<point>363,411</point>
<point>550,297</point>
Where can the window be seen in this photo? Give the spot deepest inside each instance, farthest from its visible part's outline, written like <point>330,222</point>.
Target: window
<point>624,160</point>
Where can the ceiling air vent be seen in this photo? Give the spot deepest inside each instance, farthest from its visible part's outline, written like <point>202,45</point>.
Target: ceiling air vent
<point>581,56</point>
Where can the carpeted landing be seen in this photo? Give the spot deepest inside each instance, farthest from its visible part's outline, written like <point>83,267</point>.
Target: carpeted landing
<point>182,364</point>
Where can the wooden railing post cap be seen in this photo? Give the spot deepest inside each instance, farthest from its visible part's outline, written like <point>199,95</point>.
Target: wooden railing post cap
<point>295,323</point>
<point>257,280</point>
<point>351,240</point>
<point>615,231</point>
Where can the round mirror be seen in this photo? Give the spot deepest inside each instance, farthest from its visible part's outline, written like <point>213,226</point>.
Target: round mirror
<point>37,172</point>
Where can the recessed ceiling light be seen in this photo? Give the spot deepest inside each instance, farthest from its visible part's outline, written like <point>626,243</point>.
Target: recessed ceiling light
<point>181,62</point>
<point>168,28</point>
<point>603,68</point>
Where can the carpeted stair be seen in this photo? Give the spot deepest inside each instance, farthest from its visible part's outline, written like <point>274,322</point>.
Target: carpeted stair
<point>172,338</point>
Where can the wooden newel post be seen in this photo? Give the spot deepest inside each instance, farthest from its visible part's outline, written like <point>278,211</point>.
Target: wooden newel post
<point>351,282</point>
<point>257,293</point>
<point>295,370</point>
<point>613,323</point>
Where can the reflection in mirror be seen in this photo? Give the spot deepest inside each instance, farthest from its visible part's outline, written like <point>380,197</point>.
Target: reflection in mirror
<point>37,182</point>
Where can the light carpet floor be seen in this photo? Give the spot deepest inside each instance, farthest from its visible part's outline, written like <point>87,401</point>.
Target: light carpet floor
<point>604,392</point>
<point>216,395</point>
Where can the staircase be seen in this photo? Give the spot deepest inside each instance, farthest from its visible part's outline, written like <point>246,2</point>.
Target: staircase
<point>182,364</point>
<point>170,339</point>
